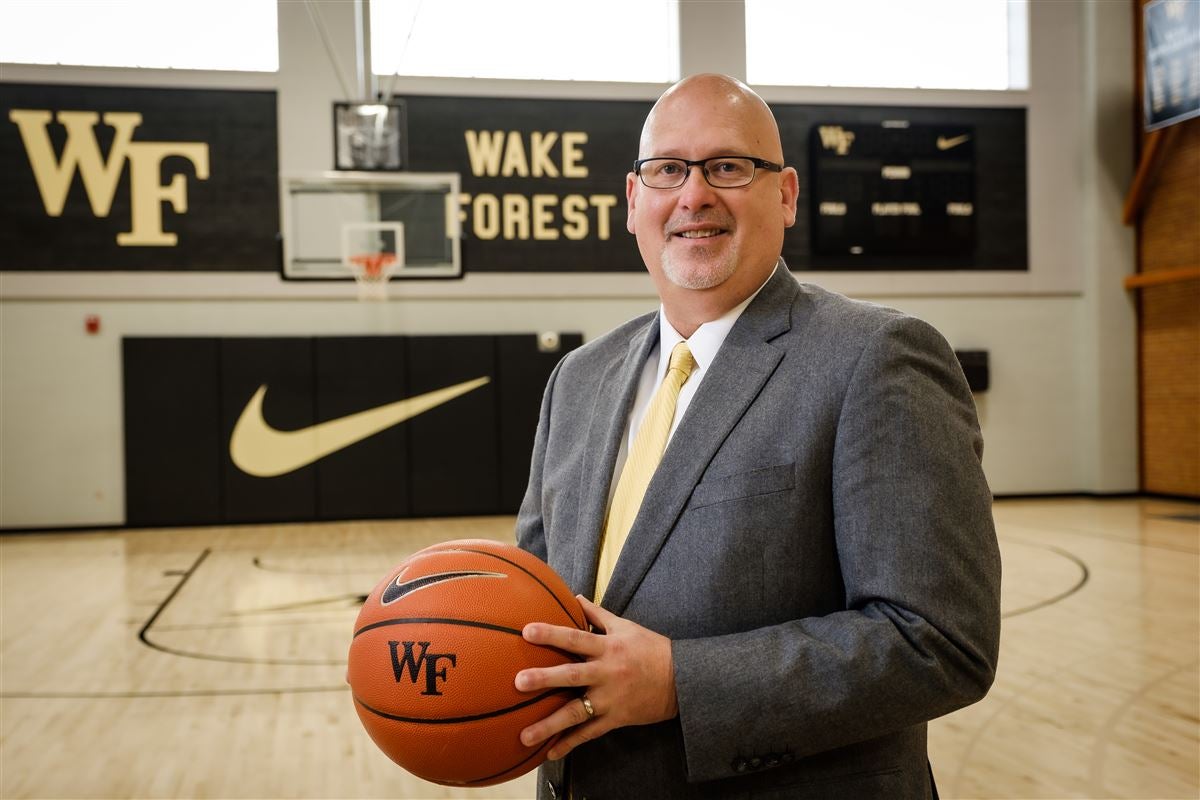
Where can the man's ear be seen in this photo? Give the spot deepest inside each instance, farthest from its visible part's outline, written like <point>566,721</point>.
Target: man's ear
<point>631,188</point>
<point>789,190</point>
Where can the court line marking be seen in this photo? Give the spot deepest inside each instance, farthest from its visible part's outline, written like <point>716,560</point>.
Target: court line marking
<point>259,563</point>
<point>1084,576</point>
<point>144,633</point>
<point>1105,734</point>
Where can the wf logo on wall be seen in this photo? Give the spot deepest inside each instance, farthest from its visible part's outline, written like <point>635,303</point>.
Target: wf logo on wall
<point>121,178</point>
<point>100,176</point>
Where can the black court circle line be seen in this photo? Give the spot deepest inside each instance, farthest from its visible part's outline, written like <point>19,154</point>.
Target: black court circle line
<point>144,634</point>
<point>470,718</point>
<point>1084,576</point>
<point>258,563</point>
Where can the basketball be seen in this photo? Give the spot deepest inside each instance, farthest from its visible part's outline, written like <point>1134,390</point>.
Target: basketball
<point>436,648</point>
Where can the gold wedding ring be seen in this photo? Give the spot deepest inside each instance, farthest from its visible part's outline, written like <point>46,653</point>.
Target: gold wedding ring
<point>587,706</point>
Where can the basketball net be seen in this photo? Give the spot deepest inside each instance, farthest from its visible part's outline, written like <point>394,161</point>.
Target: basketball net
<point>372,271</point>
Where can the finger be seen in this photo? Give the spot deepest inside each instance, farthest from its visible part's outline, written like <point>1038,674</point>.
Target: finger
<point>573,673</point>
<point>576,736</point>
<point>598,616</point>
<point>571,714</point>
<point>572,640</point>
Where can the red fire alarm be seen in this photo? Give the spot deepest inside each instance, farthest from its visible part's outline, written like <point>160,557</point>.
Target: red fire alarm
<point>91,324</point>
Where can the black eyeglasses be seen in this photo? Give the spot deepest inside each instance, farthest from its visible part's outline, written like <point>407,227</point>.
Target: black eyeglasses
<point>721,172</point>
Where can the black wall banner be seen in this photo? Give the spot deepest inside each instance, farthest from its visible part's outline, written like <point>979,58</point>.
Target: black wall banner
<point>122,178</point>
<point>108,178</point>
<point>543,183</point>
<point>368,427</point>
<point>899,188</point>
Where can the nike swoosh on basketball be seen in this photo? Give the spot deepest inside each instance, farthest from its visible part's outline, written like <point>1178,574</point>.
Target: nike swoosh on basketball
<point>260,450</point>
<point>945,144</point>
<point>397,588</point>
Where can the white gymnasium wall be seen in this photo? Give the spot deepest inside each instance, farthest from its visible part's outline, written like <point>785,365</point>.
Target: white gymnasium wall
<point>1060,416</point>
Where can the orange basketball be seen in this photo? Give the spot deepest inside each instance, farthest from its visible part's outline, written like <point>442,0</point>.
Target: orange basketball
<point>436,648</point>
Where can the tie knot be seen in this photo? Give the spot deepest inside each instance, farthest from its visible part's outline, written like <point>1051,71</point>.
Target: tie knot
<point>682,360</point>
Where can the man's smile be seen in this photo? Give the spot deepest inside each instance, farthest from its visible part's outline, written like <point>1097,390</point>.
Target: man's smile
<point>700,228</point>
<point>703,233</point>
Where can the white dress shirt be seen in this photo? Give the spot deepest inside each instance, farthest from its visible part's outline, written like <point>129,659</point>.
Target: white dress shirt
<point>705,343</point>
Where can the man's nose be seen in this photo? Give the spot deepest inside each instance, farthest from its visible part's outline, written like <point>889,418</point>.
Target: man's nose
<point>696,191</point>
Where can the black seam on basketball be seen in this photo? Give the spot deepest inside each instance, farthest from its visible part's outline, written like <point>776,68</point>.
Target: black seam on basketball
<point>383,623</point>
<point>539,751</point>
<point>450,720</point>
<point>527,572</point>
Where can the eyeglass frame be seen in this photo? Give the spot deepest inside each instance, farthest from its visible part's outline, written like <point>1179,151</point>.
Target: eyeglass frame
<point>759,163</point>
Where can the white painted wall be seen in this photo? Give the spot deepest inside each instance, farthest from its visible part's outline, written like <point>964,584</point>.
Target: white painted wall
<point>1061,415</point>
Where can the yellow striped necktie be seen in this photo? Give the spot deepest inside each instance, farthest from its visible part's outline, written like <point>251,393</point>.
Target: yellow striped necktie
<point>643,460</point>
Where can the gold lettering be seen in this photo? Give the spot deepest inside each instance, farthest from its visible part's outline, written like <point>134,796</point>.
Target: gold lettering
<point>484,149</point>
<point>572,141</point>
<point>575,218</point>
<point>829,208</point>
<point>539,152</point>
<point>147,194</point>
<point>514,157</point>
<point>81,153</point>
<point>522,217</point>
<point>485,214</point>
<point>603,203</point>
<point>455,215</point>
<point>896,209</point>
<point>542,217</point>
<point>516,216</point>
<point>835,137</point>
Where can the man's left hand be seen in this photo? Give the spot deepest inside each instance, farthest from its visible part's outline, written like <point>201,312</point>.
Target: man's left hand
<point>628,677</point>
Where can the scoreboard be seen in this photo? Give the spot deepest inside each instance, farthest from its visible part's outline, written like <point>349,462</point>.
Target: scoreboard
<point>892,188</point>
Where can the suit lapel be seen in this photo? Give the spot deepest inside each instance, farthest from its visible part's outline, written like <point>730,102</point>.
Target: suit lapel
<point>742,367</point>
<point>610,411</point>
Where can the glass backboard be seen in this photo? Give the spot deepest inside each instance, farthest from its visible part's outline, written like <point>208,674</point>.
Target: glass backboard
<point>330,219</point>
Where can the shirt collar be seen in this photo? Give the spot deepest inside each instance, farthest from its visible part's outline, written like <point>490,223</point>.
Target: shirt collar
<point>707,339</point>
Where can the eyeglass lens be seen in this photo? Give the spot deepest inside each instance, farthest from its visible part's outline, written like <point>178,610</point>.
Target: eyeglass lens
<point>722,172</point>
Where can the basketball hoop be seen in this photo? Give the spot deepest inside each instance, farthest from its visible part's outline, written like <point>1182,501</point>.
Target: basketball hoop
<point>371,271</point>
<point>372,251</point>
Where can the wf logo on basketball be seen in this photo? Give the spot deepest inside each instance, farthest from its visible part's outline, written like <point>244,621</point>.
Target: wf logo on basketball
<point>100,177</point>
<point>409,665</point>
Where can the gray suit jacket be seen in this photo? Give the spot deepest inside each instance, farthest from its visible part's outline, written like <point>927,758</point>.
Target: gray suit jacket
<point>817,542</point>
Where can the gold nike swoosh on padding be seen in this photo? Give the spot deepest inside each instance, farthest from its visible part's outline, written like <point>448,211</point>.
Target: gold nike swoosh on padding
<point>945,144</point>
<point>260,450</point>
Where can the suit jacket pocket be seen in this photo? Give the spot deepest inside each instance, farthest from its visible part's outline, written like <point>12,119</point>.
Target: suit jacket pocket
<point>764,480</point>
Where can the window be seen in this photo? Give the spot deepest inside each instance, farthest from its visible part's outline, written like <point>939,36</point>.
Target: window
<point>616,40</point>
<point>209,34</point>
<point>928,44</point>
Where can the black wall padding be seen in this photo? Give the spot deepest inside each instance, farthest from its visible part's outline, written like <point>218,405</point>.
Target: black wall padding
<point>452,449</point>
<point>521,375</point>
<point>173,451</point>
<point>469,455</point>
<point>975,368</point>
<point>369,479</point>
<point>285,365</point>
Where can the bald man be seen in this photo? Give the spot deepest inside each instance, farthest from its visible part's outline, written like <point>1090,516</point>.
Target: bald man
<point>769,498</point>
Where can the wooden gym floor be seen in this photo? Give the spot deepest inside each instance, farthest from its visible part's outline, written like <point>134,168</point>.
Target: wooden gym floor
<point>208,662</point>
